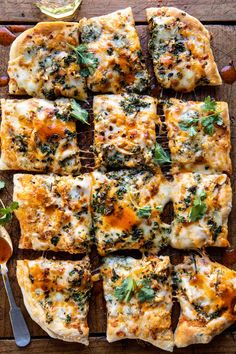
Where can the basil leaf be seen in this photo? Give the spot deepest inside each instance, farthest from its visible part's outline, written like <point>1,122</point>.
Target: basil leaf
<point>125,290</point>
<point>78,112</point>
<point>161,156</point>
<point>144,212</point>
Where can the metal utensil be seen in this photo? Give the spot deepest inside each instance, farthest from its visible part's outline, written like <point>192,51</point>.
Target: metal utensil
<point>19,326</point>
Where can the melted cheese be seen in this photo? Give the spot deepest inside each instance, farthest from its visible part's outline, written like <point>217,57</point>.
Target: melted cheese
<point>34,139</point>
<point>201,152</point>
<point>50,216</point>
<point>211,229</point>
<point>114,41</point>
<point>56,295</point>
<point>207,293</point>
<point>149,320</point>
<point>180,49</point>
<point>124,130</point>
<point>119,199</point>
<point>41,64</point>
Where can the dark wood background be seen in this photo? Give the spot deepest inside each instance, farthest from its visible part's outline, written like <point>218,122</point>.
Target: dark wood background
<point>219,16</point>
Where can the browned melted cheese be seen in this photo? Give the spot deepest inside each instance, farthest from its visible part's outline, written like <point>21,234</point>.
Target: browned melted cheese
<point>33,138</point>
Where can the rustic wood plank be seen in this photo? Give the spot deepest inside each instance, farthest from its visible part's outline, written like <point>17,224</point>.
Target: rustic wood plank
<point>224,39</point>
<point>212,10</point>
<point>223,344</point>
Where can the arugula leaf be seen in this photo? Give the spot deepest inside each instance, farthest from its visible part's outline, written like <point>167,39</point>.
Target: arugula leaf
<point>87,61</point>
<point>78,112</point>
<point>209,104</point>
<point>6,213</point>
<point>209,121</point>
<point>125,290</point>
<point>2,184</point>
<point>161,156</point>
<point>199,207</point>
<point>146,293</point>
<point>144,212</point>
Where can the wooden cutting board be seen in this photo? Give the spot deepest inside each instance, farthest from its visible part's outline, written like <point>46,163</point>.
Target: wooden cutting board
<point>220,19</point>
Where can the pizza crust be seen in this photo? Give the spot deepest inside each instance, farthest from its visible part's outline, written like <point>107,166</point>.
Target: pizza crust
<point>195,27</point>
<point>37,313</point>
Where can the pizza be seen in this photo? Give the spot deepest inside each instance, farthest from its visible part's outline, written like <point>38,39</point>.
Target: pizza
<point>124,128</point>
<point>38,135</point>
<point>202,204</point>
<point>206,293</point>
<point>199,136</point>
<point>127,207</point>
<point>180,49</point>
<point>54,212</point>
<point>41,63</point>
<point>56,296</point>
<point>115,43</point>
<point>139,299</point>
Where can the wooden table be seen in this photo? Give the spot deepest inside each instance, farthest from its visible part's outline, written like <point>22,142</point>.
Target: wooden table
<point>220,19</point>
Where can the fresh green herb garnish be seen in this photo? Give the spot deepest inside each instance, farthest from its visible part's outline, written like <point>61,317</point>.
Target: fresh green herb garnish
<point>144,212</point>
<point>68,318</point>
<point>213,118</point>
<point>209,104</point>
<point>2,184</point>
<point>161,156</point>
<point>189,124</point>
<point>199,207</point>
<point>209,121</point>
<point>6,213</point>
<point>125,290</point>
<point>146,293</point>
<point>87,61</point>
<point>79,113</point>
<point>133,104</point>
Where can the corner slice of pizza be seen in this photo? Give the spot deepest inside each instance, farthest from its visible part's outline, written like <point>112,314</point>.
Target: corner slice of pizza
<point>199,136</point>
<point>139,299</point>
<point>124,128</point>
<point>56,296</point>
<point>114,41</point>
<point>202,204</point>
<point>39,135</point>
<point>180,50</point>
<point>41,63</point>
<point>207,296</point>
<point>54,212</point>
<point>127,207</point>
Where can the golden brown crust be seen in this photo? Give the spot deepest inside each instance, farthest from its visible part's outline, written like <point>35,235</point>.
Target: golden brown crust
<point>207,293</point>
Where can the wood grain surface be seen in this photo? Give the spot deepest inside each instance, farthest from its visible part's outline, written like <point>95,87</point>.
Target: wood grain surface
<point>221,13</point>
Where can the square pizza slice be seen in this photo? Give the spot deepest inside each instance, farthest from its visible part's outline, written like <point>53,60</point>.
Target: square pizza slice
<point>202,204</point>
<point>199,136</point>
<point>54,212</point>
<point>127,207</point>
<point>56,296</point>
<point>115,43</point>
<point>139,299</point>
<point>124,128</point>
<point>180,50</point>
<point>39,135</point>
<point>206,293</point>
<point>41,64</point>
